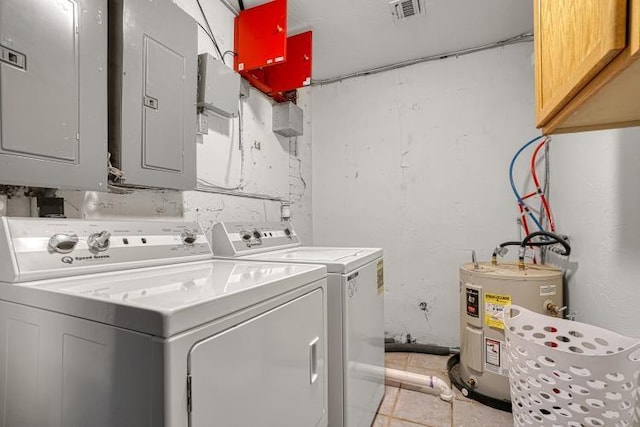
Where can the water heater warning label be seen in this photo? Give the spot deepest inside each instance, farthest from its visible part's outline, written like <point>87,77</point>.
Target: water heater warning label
<point>547,290</point>
<point>473,302</point>
<point>494,306</point>
<point>494,352</point>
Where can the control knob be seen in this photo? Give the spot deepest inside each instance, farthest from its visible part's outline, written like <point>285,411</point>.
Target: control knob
<point>257,234</point>
<point>188,237</point>
<point>63,243</point>
<point>287,232</point>
<point>99,241</point>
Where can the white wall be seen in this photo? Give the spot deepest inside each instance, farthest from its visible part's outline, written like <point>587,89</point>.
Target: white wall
<point>273,165</point>
<point>595,192</point>
<point>415,161</point>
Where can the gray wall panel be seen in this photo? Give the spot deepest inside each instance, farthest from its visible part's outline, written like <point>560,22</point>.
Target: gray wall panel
<point>53,93</point>
<point>153,60</point>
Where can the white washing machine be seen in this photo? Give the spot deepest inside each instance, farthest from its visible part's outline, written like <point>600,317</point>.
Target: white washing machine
<point>355,310</point>
<point>132,324</point>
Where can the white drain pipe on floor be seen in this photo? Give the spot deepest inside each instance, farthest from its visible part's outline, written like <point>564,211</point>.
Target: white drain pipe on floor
<point>375,373</point>
<point>427,381</point>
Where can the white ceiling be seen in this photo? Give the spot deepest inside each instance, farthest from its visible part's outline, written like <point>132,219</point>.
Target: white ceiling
<point>355,35</point>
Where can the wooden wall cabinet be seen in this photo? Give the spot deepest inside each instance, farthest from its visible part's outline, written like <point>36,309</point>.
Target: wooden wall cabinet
<point>586,64</point>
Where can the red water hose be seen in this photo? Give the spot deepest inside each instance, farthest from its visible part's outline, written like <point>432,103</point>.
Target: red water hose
<point>523,219</point>
<point>536,182</point>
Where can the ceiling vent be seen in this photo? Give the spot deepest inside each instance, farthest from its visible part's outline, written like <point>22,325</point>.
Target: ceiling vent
<point>403,9</point>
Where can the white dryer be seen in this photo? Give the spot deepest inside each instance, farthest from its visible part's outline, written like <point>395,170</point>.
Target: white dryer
<point>106,324</point>
<point>355,310</point>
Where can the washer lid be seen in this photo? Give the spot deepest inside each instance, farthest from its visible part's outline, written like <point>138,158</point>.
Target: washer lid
<point>164,301</point>
<point>337,260</point>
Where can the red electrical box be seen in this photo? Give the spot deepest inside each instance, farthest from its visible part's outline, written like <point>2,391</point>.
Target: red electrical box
<point>296,71</point>
<point>261,36</point>
<point>257,79</point>
<point>271,61</point>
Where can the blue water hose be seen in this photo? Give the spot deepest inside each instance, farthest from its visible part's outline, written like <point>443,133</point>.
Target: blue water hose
<point>513,184</point>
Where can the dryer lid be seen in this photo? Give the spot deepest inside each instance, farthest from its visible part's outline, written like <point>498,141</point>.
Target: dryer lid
<point>163,301</point>
<point>337,260</point>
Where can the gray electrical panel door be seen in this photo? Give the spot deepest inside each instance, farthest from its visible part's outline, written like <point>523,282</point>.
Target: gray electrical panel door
<point>152,122</point>
<point>163,80</point>
<point>53,93</point>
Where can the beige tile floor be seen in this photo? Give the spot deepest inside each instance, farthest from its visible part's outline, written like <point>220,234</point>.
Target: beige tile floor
<point>406,407</point>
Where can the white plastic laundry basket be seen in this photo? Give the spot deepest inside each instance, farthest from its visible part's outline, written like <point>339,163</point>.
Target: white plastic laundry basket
<point>565,373</point>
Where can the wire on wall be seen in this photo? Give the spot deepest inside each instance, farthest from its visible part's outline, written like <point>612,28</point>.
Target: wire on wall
<point>544,209</point>
<point>525,209</point>
<point>293,146</point>
<point>545,186</point>
<point>521,38</point>
<point>216,190</point>
<point>208,35</point>
<point>209,31</point>
<point>207,184</point>
<point>544,218</point>
<point>210,187</point>
<point>541,191</point>
<point>228,52</point>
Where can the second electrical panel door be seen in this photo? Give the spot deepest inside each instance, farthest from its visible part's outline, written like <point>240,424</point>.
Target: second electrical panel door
<point>267,371</point>
<point>53,93</point>
<point>152,93</point>
<point>163,146</point>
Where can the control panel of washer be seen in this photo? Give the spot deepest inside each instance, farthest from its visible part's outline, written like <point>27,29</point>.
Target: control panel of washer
<point>245,238</point>
<point>42,248</point>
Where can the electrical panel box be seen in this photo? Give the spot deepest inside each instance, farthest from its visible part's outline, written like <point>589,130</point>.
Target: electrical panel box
<point>152,93</point>
<point>296,71</point>
<point>293,73</point>
<point>287,119</point>
<point>261,36</point>
<point>53,93</point>
<point>218,86</point>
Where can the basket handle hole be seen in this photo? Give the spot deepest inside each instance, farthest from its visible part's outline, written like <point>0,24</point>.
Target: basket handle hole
<point>634,356</point>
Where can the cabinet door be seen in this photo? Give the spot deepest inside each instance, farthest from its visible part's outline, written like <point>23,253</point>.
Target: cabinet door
<point>62,371</point>
<point>634,28</point>
<point>574,40</point>
<point>153,93</point>
<point>53,94</point>
<point>163,146</point>
<point>268,371</point>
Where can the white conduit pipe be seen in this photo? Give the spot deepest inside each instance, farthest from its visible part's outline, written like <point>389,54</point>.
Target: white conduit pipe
<point>375,373</point>
<point>428,381</point>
